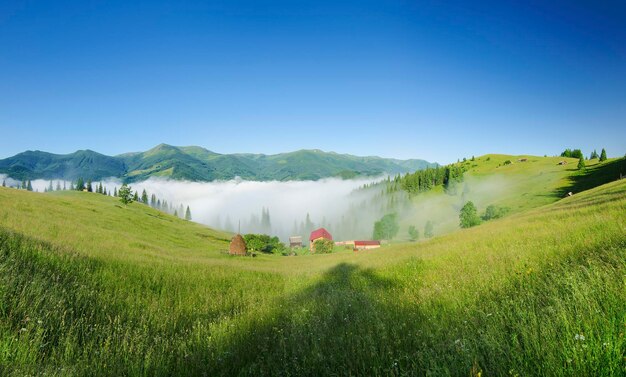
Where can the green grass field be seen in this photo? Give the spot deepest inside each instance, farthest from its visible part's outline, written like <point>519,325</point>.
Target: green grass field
<point>91,287</point>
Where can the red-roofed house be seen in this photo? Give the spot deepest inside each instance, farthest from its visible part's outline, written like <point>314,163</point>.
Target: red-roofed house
<point>319,234</point>
<point>365,245</point>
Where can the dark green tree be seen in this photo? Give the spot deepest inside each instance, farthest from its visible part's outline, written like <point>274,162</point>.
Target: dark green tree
<point>428,229</point>
<point>125,194</point>
<point>153,201</point>
<point>387,227</point>
<point>603,155</point>
<point>29,186</point>
<point>4,183</point>
<point>59,186</point>
<point>469,215</point>
<point>115,191</point>
<point>414,234</point>
<point>80,184</point>
<point>581,163</point>
<point>136,197</point>
<point>89,186</point>
<point>593,155</point>
<point>50,187</point>
<point>144,197</point>
<point>188,214</point>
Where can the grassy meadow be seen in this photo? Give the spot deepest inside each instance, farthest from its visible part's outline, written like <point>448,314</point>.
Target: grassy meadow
<point>89,286</point>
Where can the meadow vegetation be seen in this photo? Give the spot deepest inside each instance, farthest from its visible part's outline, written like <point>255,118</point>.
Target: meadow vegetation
<point>91,286</point>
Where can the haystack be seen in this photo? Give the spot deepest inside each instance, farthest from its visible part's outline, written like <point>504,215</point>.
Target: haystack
<point>237,245</point>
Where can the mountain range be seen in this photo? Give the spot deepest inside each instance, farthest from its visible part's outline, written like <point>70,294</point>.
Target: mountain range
<point>199,164</point>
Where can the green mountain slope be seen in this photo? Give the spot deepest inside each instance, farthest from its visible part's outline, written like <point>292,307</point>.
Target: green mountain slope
<point>87,284</point>
<point>85,163</point>
<point>199,164</point>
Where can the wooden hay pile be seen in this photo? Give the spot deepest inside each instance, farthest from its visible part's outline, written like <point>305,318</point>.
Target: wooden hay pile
<point>237,245</point>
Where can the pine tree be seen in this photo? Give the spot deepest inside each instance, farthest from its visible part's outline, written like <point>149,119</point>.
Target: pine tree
<point>50,187</point>
<point>29,187</point>
<point>104,191</point>
<point>581,163</point>
<point>181,210</point>
<point>125,194</point>
<point>153,201</point>
<point>64,186</point>
<point>603,155</point>
<point>115,191</point>
<point>144,197</point>
<point>89,186</point>
<point>58,186</point>
<point>4,183</point>
<point>188,214</point>
<point>176,213</point>
<point>23,187</point>
<point>80,184</point>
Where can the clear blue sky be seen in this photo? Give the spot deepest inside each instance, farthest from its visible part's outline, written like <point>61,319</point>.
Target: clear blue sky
<point>424,79</point>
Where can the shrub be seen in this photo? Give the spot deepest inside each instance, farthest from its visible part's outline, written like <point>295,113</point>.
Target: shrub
<point>414,234</point>
<point>494,212</point>
<point>323,246</point>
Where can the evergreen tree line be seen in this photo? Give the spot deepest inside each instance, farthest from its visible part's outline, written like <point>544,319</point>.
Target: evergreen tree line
<point>24,185</point>
<point>577,153</point>
<point>427,179</point>
<point>129,196</point>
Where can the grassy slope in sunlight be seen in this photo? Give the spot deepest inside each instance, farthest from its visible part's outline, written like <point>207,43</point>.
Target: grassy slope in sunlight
<point>88,286</point>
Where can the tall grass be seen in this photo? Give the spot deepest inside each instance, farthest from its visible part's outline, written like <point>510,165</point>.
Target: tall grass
<point>538,293</point>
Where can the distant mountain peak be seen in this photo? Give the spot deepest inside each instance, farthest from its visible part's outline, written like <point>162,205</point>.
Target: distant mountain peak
<point>200,164</point>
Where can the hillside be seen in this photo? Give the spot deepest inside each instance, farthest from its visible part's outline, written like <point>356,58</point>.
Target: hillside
<point>199,164</point>
<point>87,284</point>
<point>515,183</point>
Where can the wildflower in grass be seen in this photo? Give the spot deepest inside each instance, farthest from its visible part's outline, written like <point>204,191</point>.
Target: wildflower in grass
<point>580,337</point>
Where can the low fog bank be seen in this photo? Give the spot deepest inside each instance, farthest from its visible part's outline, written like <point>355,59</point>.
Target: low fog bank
<point>291,208</point>
<point>278,208</point>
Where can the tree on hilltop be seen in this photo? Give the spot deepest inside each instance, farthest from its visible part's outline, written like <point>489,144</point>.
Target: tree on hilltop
<point>603,155</point>
<point>188,214</point>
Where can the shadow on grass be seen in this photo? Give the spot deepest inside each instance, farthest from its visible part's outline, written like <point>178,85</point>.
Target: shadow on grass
<point>352,322</point>
<point>594,176</point>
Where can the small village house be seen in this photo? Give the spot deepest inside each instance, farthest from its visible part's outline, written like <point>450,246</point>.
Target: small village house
<point>295,241</point>
<point>319,234</point>
<point>366,245</point>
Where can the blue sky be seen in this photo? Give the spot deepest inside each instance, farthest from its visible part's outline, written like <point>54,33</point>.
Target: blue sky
<point>405,79</point>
